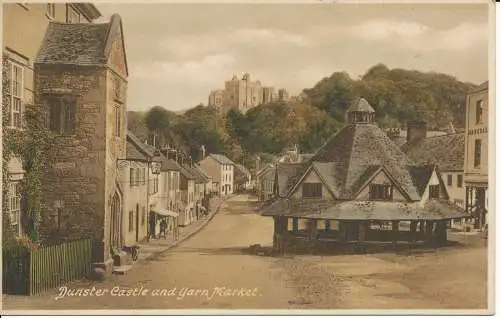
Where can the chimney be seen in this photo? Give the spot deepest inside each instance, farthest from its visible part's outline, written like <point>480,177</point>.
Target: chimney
<point>416,130</point>
<point>393,133</point>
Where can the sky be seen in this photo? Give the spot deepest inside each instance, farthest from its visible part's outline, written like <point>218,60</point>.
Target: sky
<point>178,53</point>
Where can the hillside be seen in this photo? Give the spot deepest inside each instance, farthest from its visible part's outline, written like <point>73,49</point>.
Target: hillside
<point>397,95</point>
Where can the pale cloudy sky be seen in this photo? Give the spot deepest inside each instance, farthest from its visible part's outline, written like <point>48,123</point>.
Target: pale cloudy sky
<point>178,53</point>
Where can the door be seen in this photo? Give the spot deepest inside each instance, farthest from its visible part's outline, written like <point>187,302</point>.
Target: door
<point>115,230</point>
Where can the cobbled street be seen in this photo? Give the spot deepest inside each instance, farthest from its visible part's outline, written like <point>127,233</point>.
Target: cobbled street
<point>215,269</point>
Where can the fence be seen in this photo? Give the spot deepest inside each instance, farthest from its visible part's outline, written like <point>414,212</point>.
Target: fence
<point>30,272</point>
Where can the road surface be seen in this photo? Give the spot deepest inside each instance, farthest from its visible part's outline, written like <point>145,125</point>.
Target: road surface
<point>214,269</point>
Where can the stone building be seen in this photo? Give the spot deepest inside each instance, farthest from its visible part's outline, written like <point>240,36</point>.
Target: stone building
<point>241,94</point>
<point>24,28</point>
<point>476,153</point>
<point>356,181</point>
<point>81,83</point>
<point>221,170</point>
<point>134,172</point>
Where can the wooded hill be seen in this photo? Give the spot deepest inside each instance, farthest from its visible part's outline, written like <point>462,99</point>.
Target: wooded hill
<point>397,95</point>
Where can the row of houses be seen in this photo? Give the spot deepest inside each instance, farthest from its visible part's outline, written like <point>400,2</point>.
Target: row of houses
<point>100,181</point>
<point>460,157</point>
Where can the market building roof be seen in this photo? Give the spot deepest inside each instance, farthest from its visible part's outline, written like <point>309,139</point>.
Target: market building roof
<point>346,164</point>
<point>362,210</point>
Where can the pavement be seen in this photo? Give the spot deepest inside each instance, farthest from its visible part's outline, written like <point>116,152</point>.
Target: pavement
<point>216,269</point>
<point>149,250</point>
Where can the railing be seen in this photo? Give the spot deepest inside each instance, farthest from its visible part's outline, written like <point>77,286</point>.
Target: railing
<point>33,271</point>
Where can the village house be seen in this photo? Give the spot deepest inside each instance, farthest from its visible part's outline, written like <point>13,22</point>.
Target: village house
<point>221,170</point>
<point>24,28</point>
<point>187,187</point>
<point>476,153</point>
<point>133,179</point>
<point>446,151</point>
<point>355,182</point>
<point>80,78</point>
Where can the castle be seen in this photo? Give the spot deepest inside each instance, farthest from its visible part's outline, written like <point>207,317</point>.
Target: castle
<point>244,94</point>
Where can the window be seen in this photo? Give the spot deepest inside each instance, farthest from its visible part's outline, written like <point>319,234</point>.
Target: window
<point>477,153</point>
<point>460,181</point>
<point>130,220</point>
<point>434,191</point>
<point>15,206</point>
<point>62,115</point>
<point>15,76</point>
<point>380,192</point>
<point>118,120</point>
<point>143,175</point>
<point>51,10</point>
<point>479,111</point>
<point>312,190</point>
<point>450,180</point>
<point>133,178</point>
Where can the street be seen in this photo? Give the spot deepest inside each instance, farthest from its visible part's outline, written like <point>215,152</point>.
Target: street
<point>214,269</point>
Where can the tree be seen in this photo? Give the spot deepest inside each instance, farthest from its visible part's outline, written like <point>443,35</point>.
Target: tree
<point>159,121</point>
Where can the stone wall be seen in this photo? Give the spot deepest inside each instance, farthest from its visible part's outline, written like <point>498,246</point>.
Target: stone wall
<point>81,172</point>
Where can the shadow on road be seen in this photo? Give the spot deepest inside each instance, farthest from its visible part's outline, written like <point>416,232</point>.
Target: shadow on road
<point>331,250</point>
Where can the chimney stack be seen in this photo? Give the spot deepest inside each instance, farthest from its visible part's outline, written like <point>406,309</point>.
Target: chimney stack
<point>416,130</point>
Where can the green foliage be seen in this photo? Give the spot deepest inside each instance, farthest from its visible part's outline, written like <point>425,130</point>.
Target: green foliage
<point>32,145</point>
<point>397,95</point>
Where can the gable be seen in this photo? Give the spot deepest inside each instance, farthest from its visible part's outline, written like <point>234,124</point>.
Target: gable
<point>435,179</point>
<point>311,177</point>
<point>117,59</point>
<point>381,177</point>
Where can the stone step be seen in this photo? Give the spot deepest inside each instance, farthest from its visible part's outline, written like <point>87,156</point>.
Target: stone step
<point>121,270</point>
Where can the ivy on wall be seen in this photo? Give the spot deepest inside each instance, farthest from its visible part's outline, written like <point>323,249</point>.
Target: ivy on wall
<point>32,145</point>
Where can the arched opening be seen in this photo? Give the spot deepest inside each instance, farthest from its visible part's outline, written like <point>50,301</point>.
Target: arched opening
<point>115,222</point>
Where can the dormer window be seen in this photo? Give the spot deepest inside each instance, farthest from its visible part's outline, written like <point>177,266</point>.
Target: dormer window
<point>381,192</point>
<point>312,190</point>
<point>434,191</point>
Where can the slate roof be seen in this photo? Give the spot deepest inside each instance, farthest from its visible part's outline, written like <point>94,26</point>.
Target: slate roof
<point>421,176</point>
<point>446,151</point>
<point>74,43</point>
<point>356,148</point>
<point>187,173</point>
<point>345,164</point>
<point>198,176</point>
<point>284,171</point>
<point>137,150</point>
<point>360,105</point>
<point>79,43</point>
<point>169,165</point>
<point>222,159</point>
<point>362,210</point>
